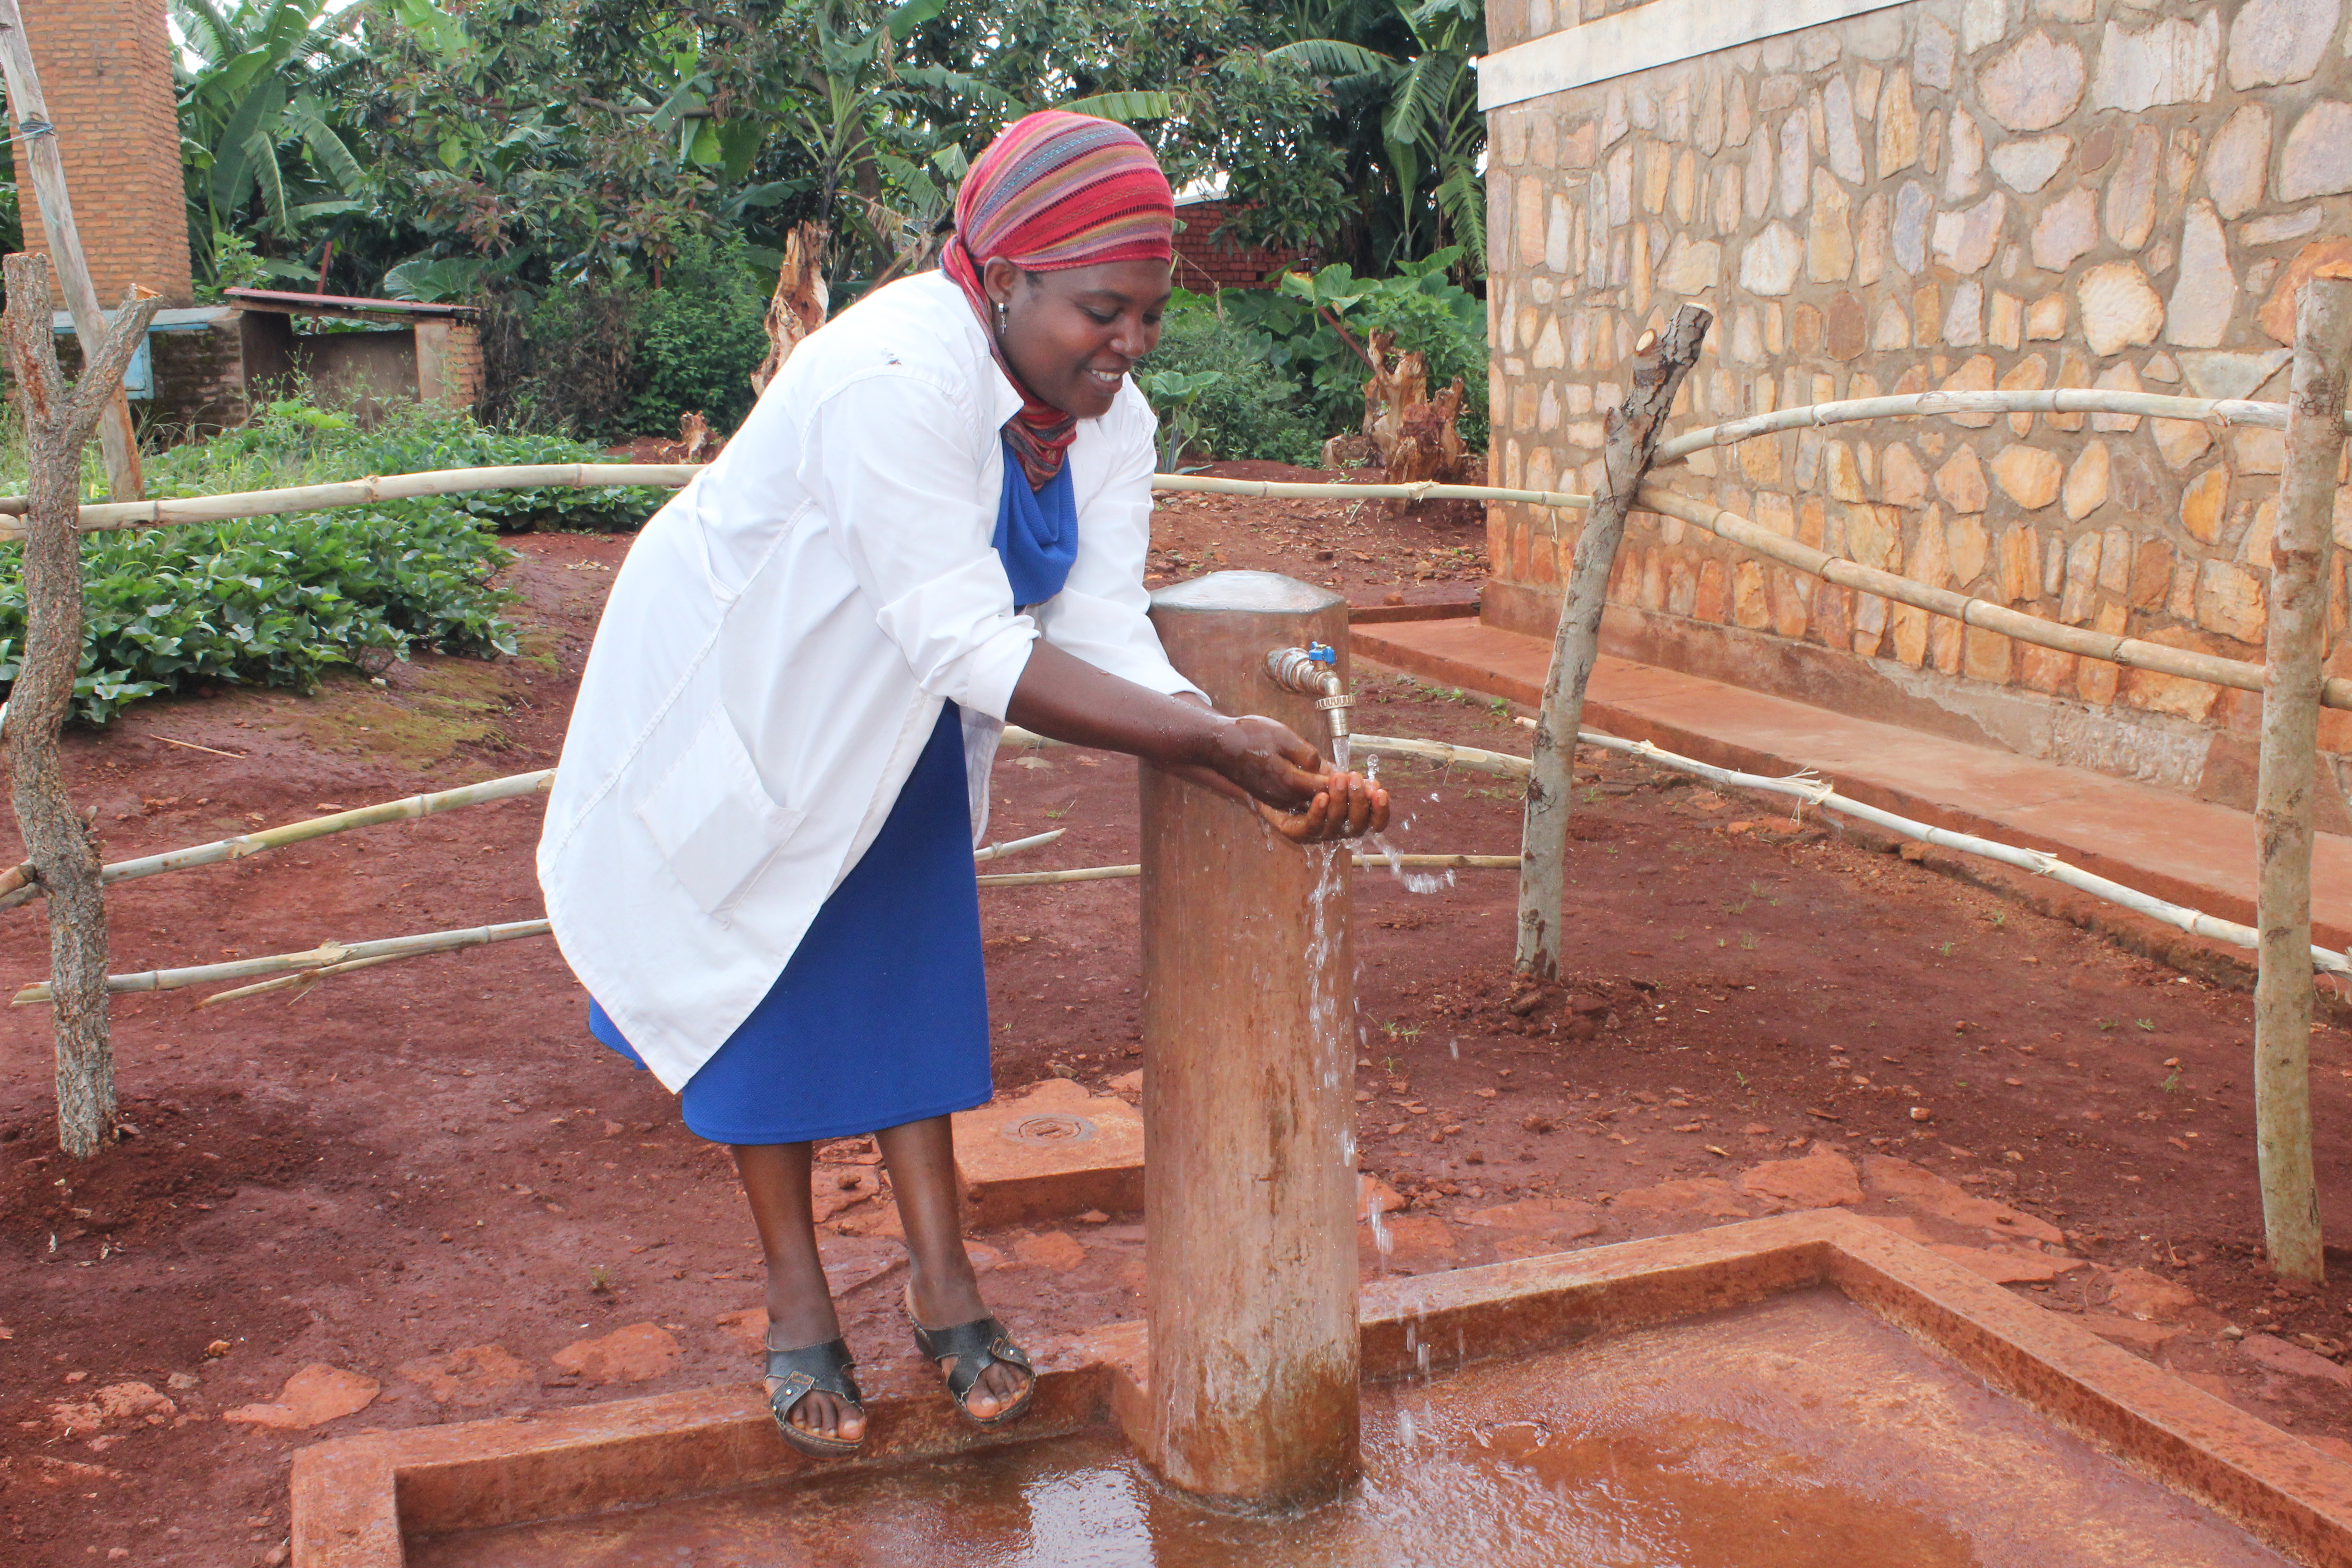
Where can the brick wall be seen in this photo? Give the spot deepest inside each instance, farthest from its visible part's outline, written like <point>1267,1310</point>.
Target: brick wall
<point>106,73</point>
<point>1965,194</point>
<point>1205,263</point>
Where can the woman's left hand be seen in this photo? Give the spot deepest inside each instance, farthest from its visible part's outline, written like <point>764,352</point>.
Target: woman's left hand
<point>1349,805</point>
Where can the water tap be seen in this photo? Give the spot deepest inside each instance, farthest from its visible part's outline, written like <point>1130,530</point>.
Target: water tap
<point>1314,671</point>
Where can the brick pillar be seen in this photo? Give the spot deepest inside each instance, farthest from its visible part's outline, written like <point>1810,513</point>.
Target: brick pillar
<point>106,70</point>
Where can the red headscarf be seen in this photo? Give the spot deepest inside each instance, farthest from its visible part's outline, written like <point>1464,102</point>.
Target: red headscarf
<point>1056,190</point>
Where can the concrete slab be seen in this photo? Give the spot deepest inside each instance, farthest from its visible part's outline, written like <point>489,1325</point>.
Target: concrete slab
<point>2186,850</point>
<point>523,1492</point>
<point>1053,1151</point>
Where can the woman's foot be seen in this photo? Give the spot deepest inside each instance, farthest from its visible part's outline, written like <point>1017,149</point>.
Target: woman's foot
<point>952,1327</point>
<point>813,1394</point>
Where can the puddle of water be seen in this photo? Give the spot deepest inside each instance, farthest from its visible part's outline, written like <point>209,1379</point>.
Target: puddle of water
<point>1797,1433</point>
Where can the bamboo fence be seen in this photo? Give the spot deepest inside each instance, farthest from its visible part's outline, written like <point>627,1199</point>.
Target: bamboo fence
<point>16,886</point>
<point>324,956</point>
<point>1808,789</point>
<point>107,516</point>
<point>1936,405</point>
<point>339,958</point>
<point>2133,653</point>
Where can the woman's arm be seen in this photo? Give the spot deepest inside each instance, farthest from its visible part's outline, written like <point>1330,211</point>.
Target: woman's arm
<point>1251,758</point>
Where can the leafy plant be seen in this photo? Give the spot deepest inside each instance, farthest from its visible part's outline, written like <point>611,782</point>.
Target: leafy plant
<point>699,337</point>
<point>1316,325</point>
<point>1246,408</point>
<point>1173,393</point>
<point>272,601</point>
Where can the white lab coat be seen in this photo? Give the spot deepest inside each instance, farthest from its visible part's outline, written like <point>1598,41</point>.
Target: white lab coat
<point>777,648</point>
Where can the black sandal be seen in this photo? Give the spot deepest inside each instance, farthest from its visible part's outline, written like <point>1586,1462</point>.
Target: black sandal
<point>973,1348</point>
<point>813,1369</point>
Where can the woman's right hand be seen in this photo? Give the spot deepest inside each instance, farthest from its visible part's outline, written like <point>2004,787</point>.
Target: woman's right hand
<point>1293,790</point>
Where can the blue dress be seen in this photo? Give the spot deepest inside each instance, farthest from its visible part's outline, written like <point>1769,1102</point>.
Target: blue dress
<point>880,1017</point>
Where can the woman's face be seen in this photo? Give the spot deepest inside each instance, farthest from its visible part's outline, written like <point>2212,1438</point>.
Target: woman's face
<point>1074,334</point>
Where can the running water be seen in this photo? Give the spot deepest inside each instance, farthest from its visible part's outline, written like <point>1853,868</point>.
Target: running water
<point>1414,881</point>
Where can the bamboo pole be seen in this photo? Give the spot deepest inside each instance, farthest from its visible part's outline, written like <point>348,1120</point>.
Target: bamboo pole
<point>14,890</point>
<point>1632,435</point>
<point>169,512</point>
<point>1933,404</point>
<point>2302,553</point>
<point>326,955</point>
<point>306,978</point>
<point>2131,652</point>
<point>1500,764</point>
<point>1426,489</point>
<point>58,843</point>
<point>1804,787</point>
<point>999,851</point>
<point>36,140</point>
<point>1362,863</point>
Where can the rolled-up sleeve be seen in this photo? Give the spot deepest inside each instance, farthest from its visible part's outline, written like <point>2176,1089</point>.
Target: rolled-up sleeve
<point>892,466</point>
<point>1103,614</point>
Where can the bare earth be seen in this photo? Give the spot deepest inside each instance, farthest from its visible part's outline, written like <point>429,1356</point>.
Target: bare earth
<point>426,1182</point>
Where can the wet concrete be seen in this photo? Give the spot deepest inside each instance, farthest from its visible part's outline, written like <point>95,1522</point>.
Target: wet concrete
<point>1800,1433</point>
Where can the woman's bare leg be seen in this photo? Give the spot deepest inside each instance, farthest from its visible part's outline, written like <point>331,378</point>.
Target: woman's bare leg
<point>800,1306</point>
<point>922,1158</point>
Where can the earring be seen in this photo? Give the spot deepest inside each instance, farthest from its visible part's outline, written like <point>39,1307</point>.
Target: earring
<point>1000,318</point>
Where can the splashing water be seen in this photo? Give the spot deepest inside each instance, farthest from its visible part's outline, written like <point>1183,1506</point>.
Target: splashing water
<point>1414,881</point>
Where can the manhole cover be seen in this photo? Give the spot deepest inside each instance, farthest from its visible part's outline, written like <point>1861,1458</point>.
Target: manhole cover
<point>1051,1128</point>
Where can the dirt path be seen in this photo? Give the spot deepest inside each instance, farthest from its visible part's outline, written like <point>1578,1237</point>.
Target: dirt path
<point>426,1181</point>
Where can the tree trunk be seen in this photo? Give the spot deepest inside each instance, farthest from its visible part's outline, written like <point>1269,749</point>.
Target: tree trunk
<point>39,155</point>
<point>2301,554</point>
<point>56,841</point>
<point>1632,438</point>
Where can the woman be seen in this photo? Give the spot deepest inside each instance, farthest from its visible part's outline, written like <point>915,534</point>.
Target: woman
<point>758,852</point>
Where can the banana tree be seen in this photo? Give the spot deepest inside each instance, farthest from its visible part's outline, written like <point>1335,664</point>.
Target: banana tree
<point>259,82</point>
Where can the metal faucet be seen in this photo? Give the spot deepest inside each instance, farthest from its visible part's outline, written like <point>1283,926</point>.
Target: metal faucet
<point>1313,670</point>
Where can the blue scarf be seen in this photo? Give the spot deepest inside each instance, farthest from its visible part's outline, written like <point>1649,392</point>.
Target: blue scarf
<point>1036,533</point>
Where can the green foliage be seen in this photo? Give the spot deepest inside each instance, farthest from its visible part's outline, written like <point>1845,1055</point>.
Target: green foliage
<point>279,600</point>
<point>297,443</point>
<point>1249,409</point>
<point>271,602</point>
<point>700,338</point>
<point>1426,312</point>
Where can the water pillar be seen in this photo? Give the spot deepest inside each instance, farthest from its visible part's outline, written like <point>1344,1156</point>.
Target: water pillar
<point>1248,1026</point>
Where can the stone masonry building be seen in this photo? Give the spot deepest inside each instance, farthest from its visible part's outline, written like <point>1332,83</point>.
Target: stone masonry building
<point>1879,197</point>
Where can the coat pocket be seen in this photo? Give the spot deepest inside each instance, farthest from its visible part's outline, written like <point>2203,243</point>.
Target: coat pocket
<point>714,821</point>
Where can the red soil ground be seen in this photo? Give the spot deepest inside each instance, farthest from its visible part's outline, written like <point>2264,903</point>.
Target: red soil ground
<point>426,1176</point>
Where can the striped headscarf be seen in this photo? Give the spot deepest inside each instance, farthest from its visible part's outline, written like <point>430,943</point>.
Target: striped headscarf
<point>1056,190</point>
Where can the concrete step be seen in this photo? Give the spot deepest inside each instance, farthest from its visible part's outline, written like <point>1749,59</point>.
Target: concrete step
<point>2188,851</point>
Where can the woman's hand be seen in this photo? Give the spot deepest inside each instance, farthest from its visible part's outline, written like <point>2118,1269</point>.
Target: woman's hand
<point>1252,760</point>
<point>1349,806</point>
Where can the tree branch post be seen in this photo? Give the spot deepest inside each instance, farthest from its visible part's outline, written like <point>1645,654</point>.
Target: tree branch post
<point>1629,442</point>
<point>2302,553</point>
<point>37,142</point>
<point>58,843</point>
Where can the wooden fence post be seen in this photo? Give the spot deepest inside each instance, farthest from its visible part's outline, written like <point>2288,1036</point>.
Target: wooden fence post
<point>56,842</point>
<point>1631,439</point>
<point>2301,551</point>
<point>37,155</point>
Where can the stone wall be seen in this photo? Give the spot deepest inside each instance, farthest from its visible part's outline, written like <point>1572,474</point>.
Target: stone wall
<point>1965,193</point>
<point>106,73</point>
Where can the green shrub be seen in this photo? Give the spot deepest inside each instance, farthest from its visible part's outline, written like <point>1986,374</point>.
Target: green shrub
<point>292,442</point>
<point>1251,410</point>
<point>1441,320</point>
<point>699,337</point>
<point>270,601</point>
